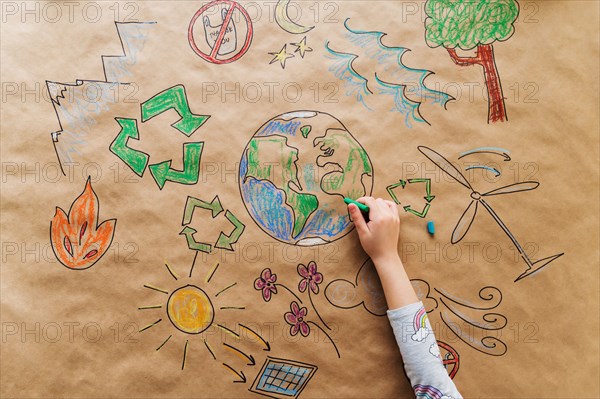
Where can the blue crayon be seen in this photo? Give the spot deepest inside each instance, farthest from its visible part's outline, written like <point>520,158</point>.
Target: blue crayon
<point>430,227</point>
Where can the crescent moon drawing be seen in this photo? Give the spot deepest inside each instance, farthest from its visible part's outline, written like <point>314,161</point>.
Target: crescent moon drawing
<point>283,19</point>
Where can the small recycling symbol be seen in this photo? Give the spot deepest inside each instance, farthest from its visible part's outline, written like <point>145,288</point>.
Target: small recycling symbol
<point>407,208</point>
<point>224,241</point>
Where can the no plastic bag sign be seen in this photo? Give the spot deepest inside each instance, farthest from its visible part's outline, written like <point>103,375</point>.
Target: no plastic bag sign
<point>220,41</point>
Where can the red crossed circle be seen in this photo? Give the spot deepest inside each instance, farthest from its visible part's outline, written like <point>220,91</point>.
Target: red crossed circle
<point>212,56</point>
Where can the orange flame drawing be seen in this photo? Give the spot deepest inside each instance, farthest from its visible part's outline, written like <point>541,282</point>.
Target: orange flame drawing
<point>77,240</point>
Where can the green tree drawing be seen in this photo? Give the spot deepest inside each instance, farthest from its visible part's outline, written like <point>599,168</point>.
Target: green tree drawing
<point>474,24</point>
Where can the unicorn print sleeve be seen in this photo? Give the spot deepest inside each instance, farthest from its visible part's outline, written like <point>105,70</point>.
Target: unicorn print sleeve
<point>421,354</point>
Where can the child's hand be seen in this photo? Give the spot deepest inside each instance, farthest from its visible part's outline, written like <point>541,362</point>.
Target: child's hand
<point>379,237</point>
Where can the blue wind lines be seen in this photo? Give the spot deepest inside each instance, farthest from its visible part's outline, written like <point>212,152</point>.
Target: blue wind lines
<point>342,68</point>
<point>408,91</point>
<point>391,59</point>
<point>402,104</point>
<point>495,171</point>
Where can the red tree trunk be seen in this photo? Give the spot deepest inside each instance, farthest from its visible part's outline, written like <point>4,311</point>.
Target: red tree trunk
<point>496,106</point>
<point>485,57</point>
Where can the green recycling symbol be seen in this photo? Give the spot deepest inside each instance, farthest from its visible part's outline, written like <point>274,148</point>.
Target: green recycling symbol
<point>171,98</point>
<point>428,197</point>
<point>224,241</point>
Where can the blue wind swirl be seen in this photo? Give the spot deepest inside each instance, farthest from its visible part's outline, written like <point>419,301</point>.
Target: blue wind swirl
<point>408,91</point>
<point>391,58</point>
<point>402,104</point>
<point>342,68</point>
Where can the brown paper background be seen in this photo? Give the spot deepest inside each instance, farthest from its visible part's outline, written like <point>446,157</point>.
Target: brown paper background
<point>557,50</point>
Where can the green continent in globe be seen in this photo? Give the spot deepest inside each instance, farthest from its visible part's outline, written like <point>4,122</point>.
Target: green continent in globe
<point>295,173</point>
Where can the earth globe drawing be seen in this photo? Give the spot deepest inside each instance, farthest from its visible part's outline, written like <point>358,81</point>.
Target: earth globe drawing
<point>295,173</point>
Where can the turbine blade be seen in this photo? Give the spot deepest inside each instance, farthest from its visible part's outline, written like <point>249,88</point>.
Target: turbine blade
<point>445,165</point>
<point>514,188</point>
<point>464,223</point>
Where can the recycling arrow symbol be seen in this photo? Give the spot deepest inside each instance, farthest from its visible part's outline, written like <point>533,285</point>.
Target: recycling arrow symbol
<point>421,214</point>
<point>188,232</point>
<point>174,98</point>
<point>193,203</point>
<point>171,98</point>
<point>407,208</point>
<point>191,167</point>
<point>224,241</point>
<point>136,160</point>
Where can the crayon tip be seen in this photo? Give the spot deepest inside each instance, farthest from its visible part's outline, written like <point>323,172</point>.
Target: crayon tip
<point>364,208</point>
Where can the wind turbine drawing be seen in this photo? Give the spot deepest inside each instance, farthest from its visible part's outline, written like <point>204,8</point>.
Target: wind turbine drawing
<point>468,216</point>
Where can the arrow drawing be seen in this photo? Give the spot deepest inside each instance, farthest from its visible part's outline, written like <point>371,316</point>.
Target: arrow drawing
<point>240,375</point>
<point>192,203</point>
<point>504,153</point>
<point>136,160</point>
<point>188,232</point>
<point>229,331</point>
<point>421,214</point>
<point>427,182</point>
<point>495,171</point>
<point>174,98</point>
<point>161,172</point>
<point>250,359</point>
<point>390,190</point>
<point>225,241</point>
<point>261,339</point>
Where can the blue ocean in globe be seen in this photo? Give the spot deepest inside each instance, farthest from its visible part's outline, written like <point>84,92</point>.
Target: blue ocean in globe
<point>296,171</point>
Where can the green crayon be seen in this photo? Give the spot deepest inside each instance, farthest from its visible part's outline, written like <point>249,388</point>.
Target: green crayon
<point>360,206</point>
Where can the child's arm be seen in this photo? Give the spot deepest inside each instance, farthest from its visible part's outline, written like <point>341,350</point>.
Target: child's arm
<point>420,353</point>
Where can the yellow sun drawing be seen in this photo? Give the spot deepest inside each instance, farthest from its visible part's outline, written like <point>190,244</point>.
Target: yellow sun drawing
<point>190,308</point>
